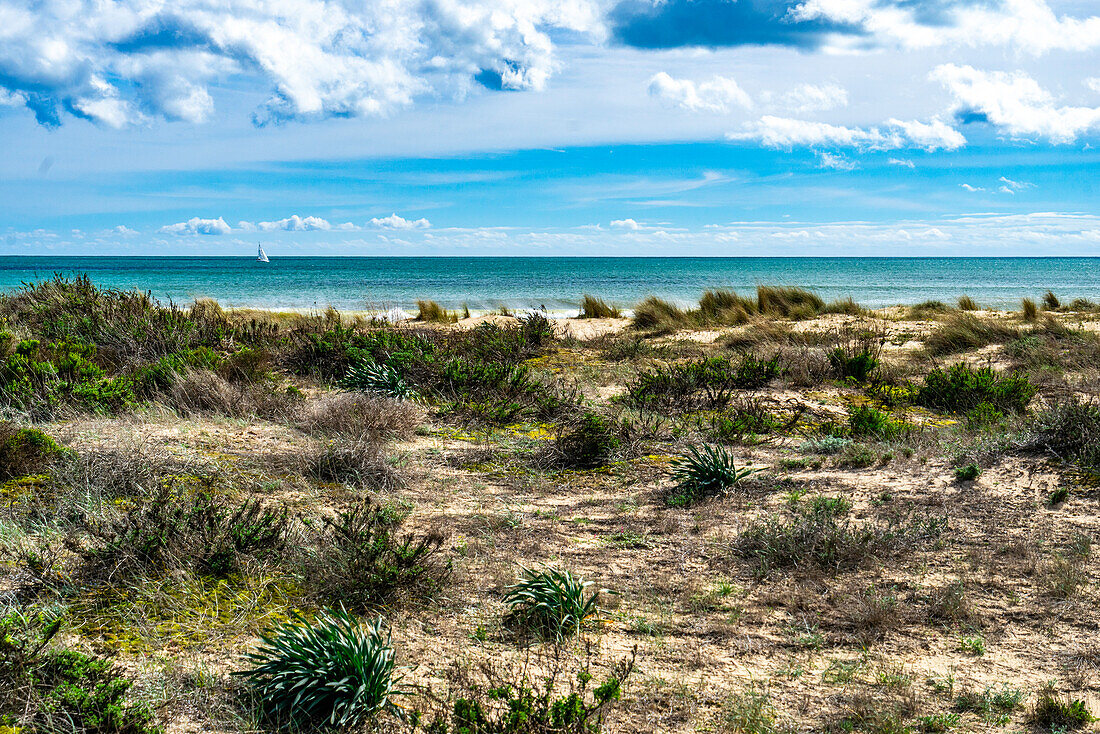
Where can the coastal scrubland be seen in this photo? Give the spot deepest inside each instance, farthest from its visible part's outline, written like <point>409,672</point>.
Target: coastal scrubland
<point>763,514</point>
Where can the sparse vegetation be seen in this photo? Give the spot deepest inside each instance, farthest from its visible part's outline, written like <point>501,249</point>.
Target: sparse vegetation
<point>597,308</point>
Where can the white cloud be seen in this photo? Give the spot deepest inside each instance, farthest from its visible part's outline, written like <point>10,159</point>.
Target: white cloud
<point>122,230</point>
<point>1093,83</point>
<point>394,221</point>
<point>195,225</point>
<point>716,95</point>
<point>629,224</point>
<point>295,223</point>
<point>836,162</point>
<point>1014,103</point>
<point>815,97</point>
<point>971,189</point>
<point>784,132</point>
<point>123,61</point>
<point>1011,187</point>
<point>902,162</point>
<point>1028,25</point>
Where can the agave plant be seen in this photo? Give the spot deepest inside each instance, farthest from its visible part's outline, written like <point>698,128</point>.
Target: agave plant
<point>377,377</point>
<point>551,601</point>
<point>333,671</point>
<point>705,471</point>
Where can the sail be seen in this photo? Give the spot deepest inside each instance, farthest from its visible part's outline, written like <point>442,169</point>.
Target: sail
<point>262,257</point>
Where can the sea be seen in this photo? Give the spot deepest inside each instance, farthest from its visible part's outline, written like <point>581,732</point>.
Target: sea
<point>556,284</point>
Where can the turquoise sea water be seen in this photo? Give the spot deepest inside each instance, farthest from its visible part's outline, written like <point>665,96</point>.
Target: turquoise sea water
<point>356,283</point>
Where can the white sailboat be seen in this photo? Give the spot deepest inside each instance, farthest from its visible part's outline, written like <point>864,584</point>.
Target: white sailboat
<point>262,257</point>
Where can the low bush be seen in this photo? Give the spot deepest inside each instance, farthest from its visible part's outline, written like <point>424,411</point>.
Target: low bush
<point>352,415</point>
<point>961,388</point>
<point>706,383</point>
<point>928,309</point>
<point>965,332</point>
<point>47,689</point>
<point>597,308</point>
<point>1054,712</point>
<point>1068,430</point>
<point>360,558</point>
<point>203,533</point>
<point>356,460</point>
<point>749,417</point>
<point>199,391</point>
<point>538,698</point>
<point>551,602</point>
<point>330,672</point>
<point>823,536</point>
<point>856,351</point>
<point>967,473</point>
<point>703,472</point>
<point>865,420</point>
<point>589,441</point>
<point>27,451</point>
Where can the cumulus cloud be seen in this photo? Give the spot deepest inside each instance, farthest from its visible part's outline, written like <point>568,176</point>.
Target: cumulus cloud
<point>394,221</point>
<point>1014,103</point>
<point>784,132</point>
<point>628,224</point>
<point>1028,25</point>
<point>195,225</point>
<point>814,98</point>
<point>122,230</point>
<point>120,62</point>
<point>716,95</point>
<point>295,223</point>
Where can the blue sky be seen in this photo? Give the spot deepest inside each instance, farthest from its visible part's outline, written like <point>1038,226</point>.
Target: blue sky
<point>514,127</point>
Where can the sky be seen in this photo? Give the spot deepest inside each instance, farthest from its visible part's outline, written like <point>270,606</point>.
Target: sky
<point>550,127</point>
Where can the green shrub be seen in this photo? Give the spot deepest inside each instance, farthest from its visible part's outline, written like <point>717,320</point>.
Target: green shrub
<point>706,383</point>
<point>856,366</point>
<point>588,442</point>
<point>203,533</point>
<point>746,418</point>
<point>926,309</point>
<point>597,308</point>
<point>537,329</point>
<point>1060,713</point>
<point>992,704</point>
<point>41,378</point>
<point>1069,430</point>
<point>524,702</point>
<point>704,471</point>
<point>330,672</point>
<point>967,473</point>
<point>551,602</point>
<point>865,420</point>
<point>26,451</point>
<point>45,689</point>
<point>961,388</point>
<point>359,559</point>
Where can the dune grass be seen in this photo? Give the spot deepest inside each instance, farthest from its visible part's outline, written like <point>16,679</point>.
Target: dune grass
<point>432,312</point>
<point>597,308</point>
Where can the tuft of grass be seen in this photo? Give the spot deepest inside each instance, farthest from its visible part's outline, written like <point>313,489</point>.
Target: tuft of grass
<point>329,672</point>
<point>551,602</point>
<point>590,441</point>
<point>965,332</point>
<point>1051,302</point>
<point>1028,310</point>
<point>725,307</point>
<point>991,704</point>
<point>1069,430</point>
<point>597,308</point>
<point>654,314</point>
<point>432,312</point>
<point>705,471</point>
<point>749,712</point>
<point>789,302</point>
<point>966,303</point>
